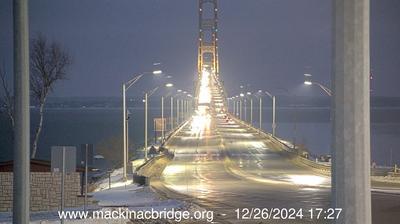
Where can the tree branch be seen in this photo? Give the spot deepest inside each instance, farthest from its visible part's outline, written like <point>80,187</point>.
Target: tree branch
<point>7,98</point>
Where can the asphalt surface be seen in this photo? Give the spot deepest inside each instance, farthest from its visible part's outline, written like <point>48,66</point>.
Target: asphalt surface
<point>230,167</point>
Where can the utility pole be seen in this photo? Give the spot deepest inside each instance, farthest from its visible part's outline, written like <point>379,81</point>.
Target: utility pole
<point>351,182</point>
<point>21,190</point>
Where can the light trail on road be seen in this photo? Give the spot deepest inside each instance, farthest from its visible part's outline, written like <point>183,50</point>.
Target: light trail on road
<point>224,165</point>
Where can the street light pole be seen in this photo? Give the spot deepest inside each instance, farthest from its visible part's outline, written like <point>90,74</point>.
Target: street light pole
<point>145,124</point>
<point>182,113</point>
<point>233,106</point>
<point>177,112</point>
<point>245,109</point>
<point>309,82</point>
<point>183,110</point>
<point>124,169</point>
<point>273,115</point>
<point>172,114</point>
<point>162,119</point>
<point>237,109</point>
<point>251,111</point>
<point>273,98</point>
<point>260,120</point>
<point>240,109</point>
<point>228,105</point>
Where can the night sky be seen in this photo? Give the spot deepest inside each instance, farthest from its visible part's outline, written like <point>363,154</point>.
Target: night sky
<point>267,44</point>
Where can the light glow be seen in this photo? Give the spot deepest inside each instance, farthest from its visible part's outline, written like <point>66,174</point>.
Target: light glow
<point>157,72</point>
<point>307,82</point>
<point>205,92</point>
<point>202,119</point>
<point>307,180</point>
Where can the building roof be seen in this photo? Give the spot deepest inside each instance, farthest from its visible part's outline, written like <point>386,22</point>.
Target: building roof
<point>37,165</point>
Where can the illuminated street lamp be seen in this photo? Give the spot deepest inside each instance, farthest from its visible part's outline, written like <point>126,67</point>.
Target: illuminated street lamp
<point>125,87</point>
<point>308,81</point>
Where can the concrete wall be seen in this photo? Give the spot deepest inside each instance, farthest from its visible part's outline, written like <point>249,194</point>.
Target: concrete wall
<point>45,191</point>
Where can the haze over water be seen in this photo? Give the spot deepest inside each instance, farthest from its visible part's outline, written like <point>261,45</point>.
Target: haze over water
<point>102,126</point>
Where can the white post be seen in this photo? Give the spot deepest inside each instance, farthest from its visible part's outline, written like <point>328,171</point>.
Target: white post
<point>187,109</point>
<point>63,182</point>
<point>251,111</point>
<point>234,108</point>
<point>162,118</point>
<point>260,120</point>
<point>184,109</point>
<point>86,177</point>
<point>228,105</point>
<point>237,109</point>
<point>245,109</point>
<point>351,184</point>
<point>21,193</point>
<point>145,125</point>
<point>273,116</point>
<point>127,140</point>
<point>240,109</point>
<point>124,134</point>
<point>172,114</point>
<point>177,112</point>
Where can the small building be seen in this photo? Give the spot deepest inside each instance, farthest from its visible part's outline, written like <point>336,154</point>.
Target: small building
<point>45,187</point>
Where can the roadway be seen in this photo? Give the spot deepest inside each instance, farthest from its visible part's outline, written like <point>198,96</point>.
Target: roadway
<point>201,171</point>
<point>229,166</point>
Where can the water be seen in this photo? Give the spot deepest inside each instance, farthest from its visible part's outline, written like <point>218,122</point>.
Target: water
<point>101,127</point>
<point>309,126</point>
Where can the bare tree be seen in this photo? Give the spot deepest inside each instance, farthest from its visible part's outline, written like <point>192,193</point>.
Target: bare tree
<point>6,98</point>
<point>48,65</point>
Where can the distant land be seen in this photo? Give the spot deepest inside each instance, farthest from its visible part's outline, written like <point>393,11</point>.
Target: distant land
<point>282,101</point>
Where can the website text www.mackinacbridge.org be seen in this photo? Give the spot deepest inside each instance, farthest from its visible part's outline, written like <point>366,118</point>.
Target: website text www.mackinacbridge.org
<point>151,214</point>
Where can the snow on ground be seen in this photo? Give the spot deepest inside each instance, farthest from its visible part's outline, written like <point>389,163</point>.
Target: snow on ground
<point>123,194</point>
<point>132,196</point>
<point>387,179</point>
<point>116,181</point>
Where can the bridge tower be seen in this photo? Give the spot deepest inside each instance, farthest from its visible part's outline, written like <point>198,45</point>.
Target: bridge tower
<point>208,38</point>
